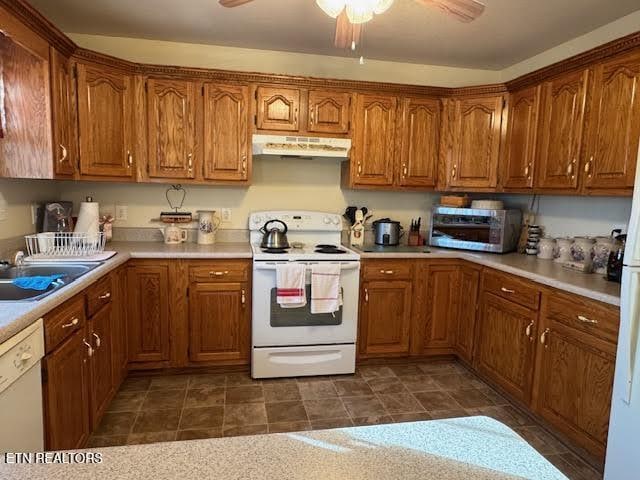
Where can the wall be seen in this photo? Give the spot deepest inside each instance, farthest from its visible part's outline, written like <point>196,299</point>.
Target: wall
<point>16,197</point>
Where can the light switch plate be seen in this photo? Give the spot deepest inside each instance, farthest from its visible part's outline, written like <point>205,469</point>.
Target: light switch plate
<point>225,215</point>
<point>122,213</point>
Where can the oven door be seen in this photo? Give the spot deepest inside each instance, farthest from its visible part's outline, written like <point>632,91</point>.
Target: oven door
<point>274,326</point>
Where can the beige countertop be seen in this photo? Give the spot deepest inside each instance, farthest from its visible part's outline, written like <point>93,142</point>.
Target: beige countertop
<point>454,449</point>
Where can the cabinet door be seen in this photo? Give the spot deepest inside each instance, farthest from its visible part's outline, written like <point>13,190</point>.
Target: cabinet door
<point>227,155</point>
<point>574,389</point>
<point>372,152</point>
<point>63,109</point>
<point>614,125</point>
<point>385,318</point>
<point>467,310</point>
<point>66,395</point>
<point>522,128</point>
<point>420,134</point>
<point>277,108</point>
<point>560,133</point>
<point>219,322</point>
<point>105,121</point>
<point>505,350</point>
<point>475,142</point>
<point>148,314</point>
<point>171,128</point>
<point>328,112</point>
<point>102,385</point>
<point>119,336</point>
<point>441,308</point>
<point>25,108</point>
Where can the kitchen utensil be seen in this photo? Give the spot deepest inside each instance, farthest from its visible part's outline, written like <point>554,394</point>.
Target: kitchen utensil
<point>350,214</point>
<point>173,234</point>
<point>356,232</point>
<point>387,231</point>
<point>274,237</point>
<point>208,223</point>
<point>616,257</point>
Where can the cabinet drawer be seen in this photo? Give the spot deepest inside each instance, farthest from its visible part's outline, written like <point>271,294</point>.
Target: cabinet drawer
<point>62,322</point>
<point>387,270</point>
<point>511,288</point>
<point>99,294</point>
<point>579,313</point>
<point>219,272</point>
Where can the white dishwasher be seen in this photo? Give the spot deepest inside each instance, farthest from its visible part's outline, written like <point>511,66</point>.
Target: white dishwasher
<point>21,426</point>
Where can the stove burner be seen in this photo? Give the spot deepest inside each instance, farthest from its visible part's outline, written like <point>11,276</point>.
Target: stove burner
<point>329,249</point>
<point>274,250</point>
<point>324,246</point>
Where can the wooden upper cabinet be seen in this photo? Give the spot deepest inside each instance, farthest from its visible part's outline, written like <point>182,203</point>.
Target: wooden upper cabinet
<point>420,136</point>
<point>329,112</point>
<point>277,108</point>
<point>25,105</point>
<point>560,133</point>
<point>520,147</point>
<point>372,151</point>
<point>105,121</point>
<point>171,128</point>
<point>63,109</point>
<point>613,125</point>
<point>227,139</point>
<point>474,129</point>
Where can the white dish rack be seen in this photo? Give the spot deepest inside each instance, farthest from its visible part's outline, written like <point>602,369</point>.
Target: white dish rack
<point>64,244</point>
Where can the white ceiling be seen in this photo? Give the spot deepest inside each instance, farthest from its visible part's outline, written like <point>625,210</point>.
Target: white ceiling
<point>509,31</point>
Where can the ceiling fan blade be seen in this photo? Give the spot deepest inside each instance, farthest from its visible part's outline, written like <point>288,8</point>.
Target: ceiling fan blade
<point>233,3</point>
<point>464,10</point>
<point>346,32</point>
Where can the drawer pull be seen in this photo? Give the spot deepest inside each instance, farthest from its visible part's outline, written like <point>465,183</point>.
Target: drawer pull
<point>64,154</point>
<point>584,319</point>
<point>104,296</point>
<point>89,348</point>
<point>386,272</point>
<point>72,323</point>
<point>507,290</point>
<point>218,274</point>
<point>543,337</point>
<point>243,297</point>
<point>98,341</point>
<point>529,327</point>
<point>366,295</point>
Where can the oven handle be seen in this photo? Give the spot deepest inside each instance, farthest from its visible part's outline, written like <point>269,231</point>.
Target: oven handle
<point>273,265</point>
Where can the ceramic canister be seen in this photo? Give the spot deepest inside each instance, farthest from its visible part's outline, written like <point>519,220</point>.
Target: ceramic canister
<point>581,249</point>
<point>563,250</point>
<point>208,223</point>
<point>546,248</point>
<point>601,251</point>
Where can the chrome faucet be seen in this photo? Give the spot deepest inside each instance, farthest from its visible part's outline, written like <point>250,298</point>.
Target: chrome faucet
<point>18,258</point>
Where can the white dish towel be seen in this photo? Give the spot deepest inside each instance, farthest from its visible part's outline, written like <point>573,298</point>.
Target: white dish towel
<point>326,295</point>
<point>290,285</point>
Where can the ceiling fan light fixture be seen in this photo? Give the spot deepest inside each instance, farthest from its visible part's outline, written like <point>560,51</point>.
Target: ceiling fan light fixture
<point>333,8</point>
<point>359,11</point>
<point>382,6</point>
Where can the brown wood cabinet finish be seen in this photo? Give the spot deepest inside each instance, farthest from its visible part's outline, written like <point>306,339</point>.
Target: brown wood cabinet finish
<point>329,112</point>
<point>105,121</point>
<point>227,138</point>
<point>467,311</point>
<point>277,108</point>
<point>119,336</point>
<point>439,306</point>
<point>613,125</point>
<point>561,131</point>
<point>520,145</point>
<point>63,322</point>
<point>101,363</point>
<point>171,128</point>
<point>64,112</point>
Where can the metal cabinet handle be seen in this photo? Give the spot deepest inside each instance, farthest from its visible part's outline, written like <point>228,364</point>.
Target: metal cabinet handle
<point>64,153</point>
<point>190,162</point>
<point>104,296</point>
<point>295,116</point>
<point>543,337</point>
<point>587,166</point>
<point>89,348</point>
<point>244,164</point>
<point>570,168</point>
<point>405,170</point>
<point>98,341</point>
<point>507,290</point>
<point>366,295</point>
<point>72,323</point>
<point>454,171</point>
<point>129,159</point>
<point>312,116</point>
<point>243,297</point>
<point>386,272</point>
<point>584,319</point>
<point>359,168</point>
<point>528,329</point>
<point>218,274</point>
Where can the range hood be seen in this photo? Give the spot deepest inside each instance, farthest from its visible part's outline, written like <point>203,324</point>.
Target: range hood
<point>301,147</point>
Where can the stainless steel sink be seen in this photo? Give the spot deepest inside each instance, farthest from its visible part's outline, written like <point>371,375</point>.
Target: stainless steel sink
<point>70,272</point>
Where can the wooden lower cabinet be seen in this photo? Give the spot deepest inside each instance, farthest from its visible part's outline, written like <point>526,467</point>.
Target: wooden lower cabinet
<point>101,363</point>
<point>469,283</point>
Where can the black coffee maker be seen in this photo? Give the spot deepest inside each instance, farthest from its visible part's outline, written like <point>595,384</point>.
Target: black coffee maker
<point>616,259</point>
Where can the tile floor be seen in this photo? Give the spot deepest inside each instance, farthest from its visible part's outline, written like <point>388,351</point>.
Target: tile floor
<point>184,407</point>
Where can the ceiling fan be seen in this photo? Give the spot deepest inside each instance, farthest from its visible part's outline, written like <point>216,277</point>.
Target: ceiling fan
<point>350,15</point>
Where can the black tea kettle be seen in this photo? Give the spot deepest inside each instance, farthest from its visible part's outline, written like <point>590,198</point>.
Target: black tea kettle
<point>616,259</point>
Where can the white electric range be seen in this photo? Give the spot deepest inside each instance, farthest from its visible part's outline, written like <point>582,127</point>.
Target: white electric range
<point>291,342</point>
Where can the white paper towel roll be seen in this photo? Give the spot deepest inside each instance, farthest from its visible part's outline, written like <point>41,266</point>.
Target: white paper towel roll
<point>88,218</point>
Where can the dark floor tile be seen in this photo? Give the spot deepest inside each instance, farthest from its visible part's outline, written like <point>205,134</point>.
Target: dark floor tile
<point>135,384</point>
<point>286,412</point>
<point>542,441</point>
<point>107,441</point>
<point>505,414</point>
<point>366,406</point>
<point>164,399</point>
<point>127,401</point>
<point>281,392</point>
<point>150,437</point>
<point>317,390</point>
<point>207,381</point>
<point>244,394</point>
<point>115,423</point>
<point>320,378</point>
<point>204,397</point>
<point>400,403</point>
<point>199,433</point>
<point>242,430</point>
<point>455,381</point>
<point>375,371</point>
<point>471,398</point>
<point>282,427</point>
<point>236,379</point>
<point>450,413</point>
<point>437,400</point>
<point>245,414</point>
<point>494,396</point>
<point>585,471</point>
<point>199,418</point>
<point>169,382</point>
<point>406,369</point>
<point>411,417</point>
<point>419,383</point>
<point>156,421</point>
<point>438,367</point>
<point>327,423</point>
<point>372,420</point>
<point>386,385</point>
<point>352,387</point>
<point>325,408</point>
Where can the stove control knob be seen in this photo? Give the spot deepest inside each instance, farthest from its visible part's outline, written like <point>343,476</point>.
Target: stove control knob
<point>326,220</point>
<point>257,220</point>
<point>335,220</point>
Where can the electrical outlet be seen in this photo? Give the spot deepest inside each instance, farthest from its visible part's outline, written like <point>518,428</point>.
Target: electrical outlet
<point>122,212</point>
<point>225,215</point>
